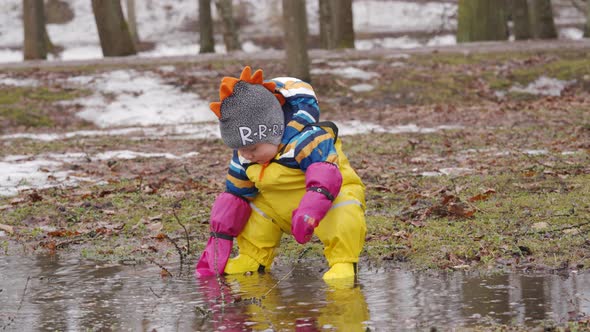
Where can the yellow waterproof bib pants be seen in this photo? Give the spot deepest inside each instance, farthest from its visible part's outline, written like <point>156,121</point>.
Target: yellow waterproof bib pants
<point>342,231</point>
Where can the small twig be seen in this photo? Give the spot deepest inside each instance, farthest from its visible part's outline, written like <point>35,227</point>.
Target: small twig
<point>161,266</point>
<point>188,243</point>
<point>23,296</point>
<point>158,296</point>
<point>288,273</point>
<point>180,253</point>
<point>20,304</point>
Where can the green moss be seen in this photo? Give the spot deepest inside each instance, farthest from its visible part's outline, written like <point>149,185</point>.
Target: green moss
<point>27,106</point>
<point>563,69</point>
<point>25,117</point>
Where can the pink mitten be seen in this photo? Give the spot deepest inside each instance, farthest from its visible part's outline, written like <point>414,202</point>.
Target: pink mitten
<point>228,217</point>
<point>322,181</point>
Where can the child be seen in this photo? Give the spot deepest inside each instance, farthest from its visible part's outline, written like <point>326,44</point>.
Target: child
<point>288,175</point>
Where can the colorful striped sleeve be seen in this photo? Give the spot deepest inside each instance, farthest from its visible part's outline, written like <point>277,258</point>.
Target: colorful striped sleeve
<point>300,98</point>
<point>315,145</point>
<point>237,181</point>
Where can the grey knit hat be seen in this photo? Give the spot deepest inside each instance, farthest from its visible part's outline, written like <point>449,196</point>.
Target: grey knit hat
<point>249,112</point>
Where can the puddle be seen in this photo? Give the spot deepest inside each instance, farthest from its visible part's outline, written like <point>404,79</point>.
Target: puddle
<point>45,293</point>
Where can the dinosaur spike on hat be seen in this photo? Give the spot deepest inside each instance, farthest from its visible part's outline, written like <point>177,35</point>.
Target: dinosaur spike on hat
<point>249,110</point>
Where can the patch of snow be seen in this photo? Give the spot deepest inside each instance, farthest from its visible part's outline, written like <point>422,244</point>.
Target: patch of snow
<point>355,127</point>
<point>543,86</point>
<point>18,82</point>
<point>571,33</point>
<point>362,87</point>
<point>8,55</point>
<point>397,64</point>
<point>456,171</point>
<point>536,152</point>
<point>569,153</point>
<point>126,154</point>
<point>403,42</point>
<point>347,72</point>
<point>430,174</point>
<point>398,56</point>
<point>20,172</point>
<point>128,97</point>
<point>443,40</point>
<point>2,234</point>
<point>83,52</point>
<point>30,174</point>
<point>451,171</point>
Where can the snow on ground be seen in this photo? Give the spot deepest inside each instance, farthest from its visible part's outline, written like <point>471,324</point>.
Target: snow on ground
<point>17,175</point>
<point>45,171</point>
<point>543,86</point>
<point>139,99</point>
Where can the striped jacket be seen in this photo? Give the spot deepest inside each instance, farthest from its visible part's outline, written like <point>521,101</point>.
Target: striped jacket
<point>301,145</point>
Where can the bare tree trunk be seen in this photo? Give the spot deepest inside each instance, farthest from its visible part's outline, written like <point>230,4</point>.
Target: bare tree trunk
<point>520,17</point>
<point>543,25</point>
<point>295,27</point>
<point>206,27</point>
<point>481,20</point>
<point>230,31</point>
<point>342,23</point>
<point>326,40</point>
<point>132,20</point>
<point>115,39</point>
<point>587,28</point>
<point>35,35</point>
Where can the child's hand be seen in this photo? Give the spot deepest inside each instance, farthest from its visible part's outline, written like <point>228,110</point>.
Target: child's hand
<point>302,228</point>
<point>322,184</point>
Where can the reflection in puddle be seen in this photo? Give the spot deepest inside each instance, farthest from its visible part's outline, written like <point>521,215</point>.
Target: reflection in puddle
<point>44,293</point>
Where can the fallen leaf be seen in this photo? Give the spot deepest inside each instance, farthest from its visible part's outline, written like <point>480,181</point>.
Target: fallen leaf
<point>460,210</point>
<point>540,225</point>
<point>35,197</point>
<point>17,201</point>
<point>62,233</point>
<point>417,223</point>
<point>156,227</point>
<point>7,228</point>
<point>483,196</point>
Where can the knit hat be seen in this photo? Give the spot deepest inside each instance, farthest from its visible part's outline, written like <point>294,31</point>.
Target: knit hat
<point>249,112</point>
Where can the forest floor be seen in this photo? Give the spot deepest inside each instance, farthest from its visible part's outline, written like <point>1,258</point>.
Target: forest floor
<point>513,167</point>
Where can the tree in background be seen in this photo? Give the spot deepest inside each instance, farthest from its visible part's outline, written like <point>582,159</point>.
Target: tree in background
<point>35,35</point>
<point>520,18</point>
<point>229,26</point>
<point>336,24</point>
<point>482,20</point>
<point>206,27</point>
<point>132,21</point>
<point>115,38</point>
<point>541,17</point>
<point>325,19</point>
<point>295,27</point>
